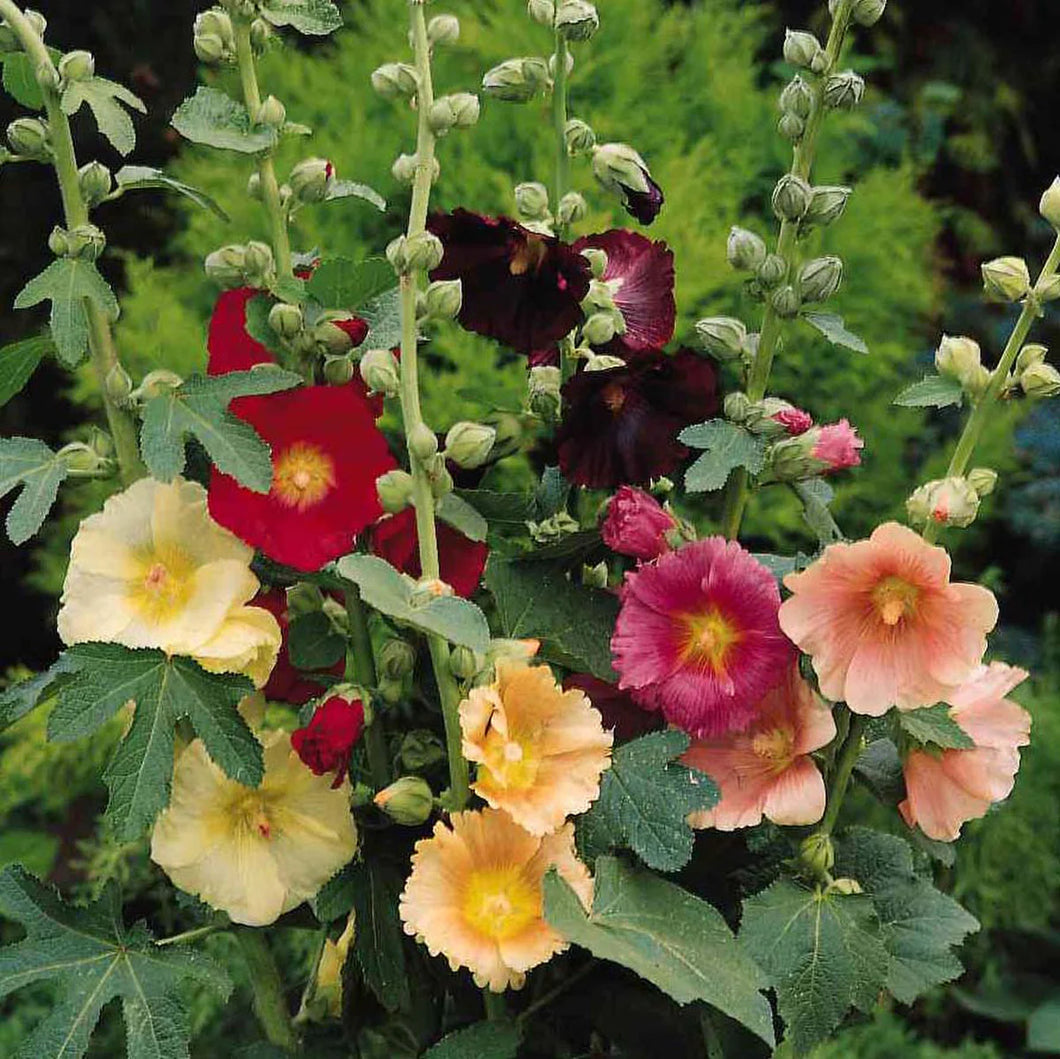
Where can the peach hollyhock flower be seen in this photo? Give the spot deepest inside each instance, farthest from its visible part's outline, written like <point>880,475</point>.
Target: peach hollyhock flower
<point>948,787</point>
<point>475,895</point>
<point>152,569</point>
<point>884,625</point>
<point>540,750</point>
<point>767,771</point>
<point>254,853</point>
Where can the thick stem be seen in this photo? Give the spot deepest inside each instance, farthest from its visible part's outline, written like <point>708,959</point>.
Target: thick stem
<point>360,669</point>
<point>844,768</point>
<point>270,1004</point>
<point>559,128</point>
<point>495,1004</point>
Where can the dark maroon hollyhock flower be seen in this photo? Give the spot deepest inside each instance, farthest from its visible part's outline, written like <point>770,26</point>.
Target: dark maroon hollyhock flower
<point>355,328</point>
<point>324,745</point>
<point>519,287</point>
<point>620,426</point>
<point>641,274</point>
<point>644,205</point>
<point>617,707</point>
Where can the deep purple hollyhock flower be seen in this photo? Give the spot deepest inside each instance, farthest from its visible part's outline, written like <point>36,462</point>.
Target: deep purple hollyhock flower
<point>644,205</point>
<point>522,288</point>
<point>641,275</point>
<point>620,426</point>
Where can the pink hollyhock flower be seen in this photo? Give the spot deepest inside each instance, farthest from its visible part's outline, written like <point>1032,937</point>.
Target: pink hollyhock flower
<point>636,524</point>
<point>884,625</point>
<point>837,446</point>
<point>697,637</point>
<point>944,789</point>
<point>767,771</point>
<point>794,421</point>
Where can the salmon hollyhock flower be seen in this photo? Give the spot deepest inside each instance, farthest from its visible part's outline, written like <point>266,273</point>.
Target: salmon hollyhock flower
<point>636,525</point>
<point>697,637</point>
<point>767,771</point>
<point>948,787</point>
<point>540,750</point>
<point>326,742</point>
<point>253,852</point>
<point>152,569</point>
<point>475,895</point>
<point>883,624</point>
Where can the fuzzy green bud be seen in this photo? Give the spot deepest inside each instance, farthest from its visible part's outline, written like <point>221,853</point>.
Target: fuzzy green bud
<point>217,23</point>
<point>424,250</point>
<point>209,48</point>
<point>85,242</point>
<point>28,137</point>
<point>156,383</point>
<point>395,80</point>
<point>422,442</point>
<point>95,182</point>
<point>844,91</point>
<point>396,659</point>
<point>38,23</point>
<point>791,198</point>
<point>1049,207</point>
<point>77,66</point>
<point>817,854</point>
<point>395,491</point>
<point>48,77</point>
<point>579,136</point>
<point>1040,380</point>
<point>516,80</point>
<point>1029,356</point>
<point>443,29</point>
<point>1048,288</point>
<point>404,168</point>
<point>568,64</point>
<point>309,180</point>
<point>603,362</point>
<point>595,576</point>
<point>1006,279</point>
<point>272,113</point>
<point>339,370</point>
<point>959,358</point>
<point>804,49</point>
<point>827,205</point>
<point>868,12</point>
<point>331,340</point>
<point>464,664</point>
<point>597,259</point>
<point>737,406</point>
<point>543,393</point>
<point>118,384</point>
<point>468,445</point>
<point>723,336</point>
<point>59,242</point>
<point>259,263</point>
<point>260,33</point>
<point>380,372</point>
<point>421,749</point>
<point>444,299</point>
<point>772,272</point>
<point>786,302</point>
<point>408,801</point>
<point>791,127</point>
<point>543,12</point>
<point>286,320</point>
<point>745,250</point>
<point>572,208</point>
<point>796,98</point>
<point>439,477</point>
<point>599,329</point>
<point>944,502</point>
<point>457,111</point>
<point>531,201</point>
<point>618,167</point>
<point>983,480</point>
<point>820,278</point>
<point>227,266</point>
<point>577,19</point>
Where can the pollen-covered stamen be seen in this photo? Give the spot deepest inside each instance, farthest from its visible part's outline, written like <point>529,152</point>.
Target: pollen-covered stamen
<point>776,748</point>
<point>303,475</point>
<point>501,903</point>
<point>529,256</point>
<point>894,600</point>
<point>165,583</point>
<point>711,637</point>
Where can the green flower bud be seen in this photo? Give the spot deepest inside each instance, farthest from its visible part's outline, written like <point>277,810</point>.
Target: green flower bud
<point>618,167</point>
<point>804,49</point>
<point>737,406</point>
<point>85,242</point>
<point>960,359</point>
<point>59,242</point>
<point>516,80</point>
<point>404,168</point>
<point>1040,380</point>
<point>468,445</point>
<point>868,12</point>
<point>791,197</point>
<point>817,854</point>
<point>572,208</point>
<point>156,383</point>
<point>464,664</point>
<point>48,77</point>
<point>338,371</point>
<point>228,266</point>
<point>745,250</point>
<point>331,340</point>
<point>1029,356</point>
<point>395,80</point>
<point>28,137</point>
<point>259,264</point>
<point>102,443</point>
<point>422,442</point>
<point>579,136</point>
<point>944,502</point>
<point>772,272</point>
<point>597,259</point>
<point>118,384</point>
<point>599,329</point>
<point>543,12</point>
<point>440,478</point>
<point>602,362</point>
<point>595,576</point>
<point>553,529</point>
<point>424,251</point>
<point>796,98</point>
<point>272,113</point>
<point>577,19</point>
<point>723,336</point>
<point>397,254</point>
<point>421,749</point>
<point>820,278</point>
<point>408,801</point>
<point>395,491</point>
<point>531,201</point>
<point>38,23</point>
<point>396,659</point>
<point>77,66</point>
<point>95,182</point>
<point>827,205</point>
<point>786,302</point>
<point>568,64</point>
<point>309,180</point>
<point>81,458</point>
<point>543,392</point>
<point>457,111</point>
<point>983,480</point>
<point>444,299</point>
<point>217,23</point>
<point>443,29</point>
<point>1049,207</point>
<point>1006,279</point>
<point>791,127</point>
<point>1048,288</point>
<point>599,297</point>
<point>844,91</point>
<point>760,417</point>
<point>286,320</point>
<point>260,32</point>
<point>380,372</point>
<point>254,186</point>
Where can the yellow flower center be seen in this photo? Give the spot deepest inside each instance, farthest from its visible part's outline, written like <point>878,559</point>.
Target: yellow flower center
<point>501,903</point>
<point>303,475</point>
<point>894,599</point>
<point>510,763</point>
<point>528,257</point>
<point>248,814</point>
<point>711,636</point>
<point>164,584</point>
<point>776,748</point>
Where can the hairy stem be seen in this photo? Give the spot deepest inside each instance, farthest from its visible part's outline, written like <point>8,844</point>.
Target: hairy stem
<point>559,128</point>
<point>270,1004</point>
<point>193,935</point>
<point>847,758</point>
<point>360,669</point>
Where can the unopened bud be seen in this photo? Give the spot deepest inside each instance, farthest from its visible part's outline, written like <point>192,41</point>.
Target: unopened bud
<point>309,180</point>
<point>844,91</point>
<point>1040,380</point>
<point>272,113</point>
<point>331,340</point>
<point>464,664</point>
<point>395,491</point>
<point>48,77</point>
<point>260,32</point>
<point>820,278</point>
<point>791,127</point>
<point>1047,289</point>
<point>408,801</point>
<point>338,370</point>
<point>254,186</point>
<point>868,12</point>
<point>439,477</point>
<point>95,182</point>
<point>421,750</point>
<point>568,64</point>
<point>77,66</point>
<point>543,12</point>
<point>422,442</point>
<point>217,23</point>
<point>827,205</point>
<point>28,137</point>
<point>531,201</point>
<point>1050,204</point>
<point>424,251</point>
<point>577,19</point>
<point>737,406</point>
<point>944,502</point>
<point>444,299</point>
<point>579,136</point>
<point>786,302</point>
<point>395,80</point>
<point>59,241</point>
<point>817,854</point>
<point>723,336</point>
<point>259,263</point>
<point>772,272</point>
<point>468,445</point>
<point>457,111</point>
<point>554,528</point>
<point>286,320</point>
<point>983,480</point>
<point>158,382</point>
<point>796,98</point>
<point>404,168</point>
<point>599,329</point>
<point>544,392</point>
<point>597,259</point>
<point>396,659</point>
<point>380,372</point>
<point>618,167</point>
<point>443,29</point>
<point>1029,356</point>
<point>959,358</point>
<point>745,250</point>
<point>85,242</point>
<point>516,80</point>
<point>227,266</point>
<point>804,49</point>
<point>791,198</point>
<point>38,23</point>
<point>118,384</point>
<point>572,208</point>
<point>595,576</point>
<point>1006,279</point>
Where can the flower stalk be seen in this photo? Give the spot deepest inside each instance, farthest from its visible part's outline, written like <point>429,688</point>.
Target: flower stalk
<point>849,752</point>
<point>360,669</point>
<point>270,1004</point>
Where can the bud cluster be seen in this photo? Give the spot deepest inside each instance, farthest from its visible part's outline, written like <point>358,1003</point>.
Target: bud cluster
<point>1035,377</point>
<point>952,501</point>
<point>84,242</point>
<point>242,266</point>
<point>517,80</point>
<point>214,38</point>
<point>961,359</point>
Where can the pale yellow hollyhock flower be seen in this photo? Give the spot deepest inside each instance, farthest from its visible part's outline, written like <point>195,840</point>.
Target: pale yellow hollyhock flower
<point>254,853</point>
<point>152,569</point>
<point>475,895</point>
<point>540,750</point>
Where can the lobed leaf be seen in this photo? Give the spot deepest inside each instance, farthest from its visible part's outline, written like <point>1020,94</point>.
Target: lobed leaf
<point>933,391</point>
<point>728,446</point>
<point>816,494</point>
<point>313,643</point>
<point>934,725</point>
<point>107,100</point>
<point>18,362</point>
<point>137,177</point>
<point>463,517</point>
<point>312,17</point>
<point>29,463</point>
<point>377,944</point>
<point>342,283</point>
<point>350,189</point>
<point>833,328</point>
<point>483,1040</point>
<point>213,119</point>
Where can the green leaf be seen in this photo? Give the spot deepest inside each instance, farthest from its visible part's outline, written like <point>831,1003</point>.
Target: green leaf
<point>504,509</point>
<point>66,283</point>
<point>383,316</point>
<point>92,957</point>
<point>880,768</point>
<point>728,447</point>
<point>833,328</point>
<point>18,362</point>
<point>342,283</point>
<point>289,289</point>
<point>645,798</point>
<point>313,642</point>
<point>19,699</point>
<point>165,690</point>
<point>137,177</point>
<point>1043,1028</point>
<point>823,952</point>
<point>20,78</point>
<point>676,941</point>
<point>258,326</point>
<point>537,600</point>
<point>214,119</point>
<point>457,620</point>
<point>920,925</point>
<point>377,944</point>
<point>816,494</point>
<point>350,189</point>
<point>484,1040</point>
<point>107,101</point>
<point>29,463</point>
<point>935,725</point>
<point>313,17</point>
<point>933,391</point>
<point>463,517</point>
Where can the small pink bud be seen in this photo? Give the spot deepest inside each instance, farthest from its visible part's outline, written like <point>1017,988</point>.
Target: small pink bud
<point>636,525</point>
<point>794,420</point>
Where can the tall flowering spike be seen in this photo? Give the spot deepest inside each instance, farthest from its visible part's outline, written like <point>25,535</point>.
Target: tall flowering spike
<point>697,637</point>
<point>636,525</point>
<point>152,569</point>
<point>947,788</point>
<point>519,287</point>
<point>475,895</point>
<point>883,624</point>
<point>326,742</point>
<point>540,750</point>
<point>621,425</point>
<point>326,456</point>
<point>254,853</point>
<point>767,772</point>
<point>640,274</point>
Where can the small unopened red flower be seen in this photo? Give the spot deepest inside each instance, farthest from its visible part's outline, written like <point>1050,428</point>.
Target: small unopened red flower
<point>697,637</point>
<point>325,744</point>
<point>794,421</point>
<point>883,624</point>
<point>621,170</point>
<point>767,771</point>
<point>946,788</point>
<point>636,524</point>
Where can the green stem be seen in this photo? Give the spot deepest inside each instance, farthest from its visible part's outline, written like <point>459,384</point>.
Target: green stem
<point>270,188</point>
<point>360,669</point>
<point>193,935</point>
<point>270,1004</point>
<point>559,128</point>
<point>101,345</point>
<point>844,768</point>
<point>495,1004</point>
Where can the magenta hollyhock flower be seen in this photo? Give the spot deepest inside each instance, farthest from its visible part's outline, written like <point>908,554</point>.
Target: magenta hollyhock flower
<point>519,287</point>
<point>698,637</point>
<point>837,446</point>
<point>636,524</point>
<point>620,426</point>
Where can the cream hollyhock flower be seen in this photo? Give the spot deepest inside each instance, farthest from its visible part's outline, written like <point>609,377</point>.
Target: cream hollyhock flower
<point>540,750</point>
<point>254,853</point>
<point>152,569</point>
<point>475,895</point>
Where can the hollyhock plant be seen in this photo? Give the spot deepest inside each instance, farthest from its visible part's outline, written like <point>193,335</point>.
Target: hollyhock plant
<point>474,895</point>
<point>794,421</point>
<point>620,426</point>
<point>946,788</point>
<point>636,525</point>
<point>520,287</point>
<point>766,771</point>
<point>230,346</point>
<point>326,742</point>
<point>883,624</point>
<point>836,446</point>
<point>698,638</point>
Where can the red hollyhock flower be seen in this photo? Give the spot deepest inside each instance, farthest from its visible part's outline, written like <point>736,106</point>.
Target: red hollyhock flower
<point>641,275</point>
<point>461,559</point>
<point>230,347</point>
<point>620,426</point>
<point>326,455</point>
<point>617,707</point>
<point>522,288</point>
<point>324,745</point>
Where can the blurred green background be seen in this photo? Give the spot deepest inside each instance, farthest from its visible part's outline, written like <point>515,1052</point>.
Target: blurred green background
<point>949,154</point>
